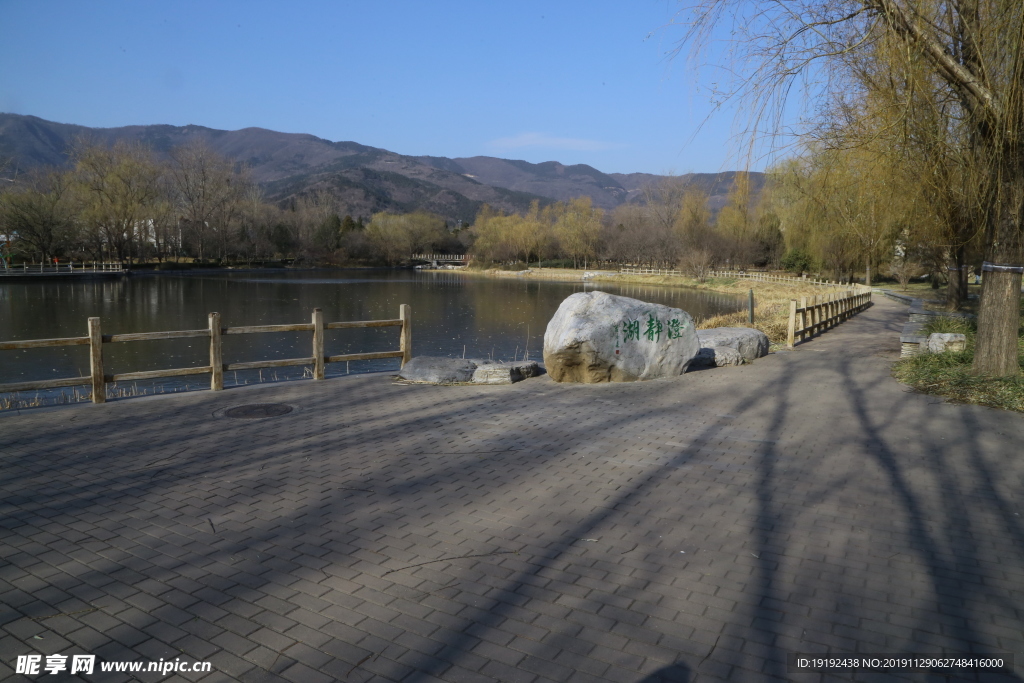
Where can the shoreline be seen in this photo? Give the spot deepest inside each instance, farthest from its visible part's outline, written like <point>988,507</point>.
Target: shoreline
<point>771,299</point>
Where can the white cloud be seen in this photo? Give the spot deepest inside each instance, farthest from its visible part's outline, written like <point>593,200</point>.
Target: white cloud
<point>550,142</point>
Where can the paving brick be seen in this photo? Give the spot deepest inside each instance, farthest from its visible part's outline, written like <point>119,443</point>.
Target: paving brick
<point>233,643</point>
<point>271,639</point>
<point>811,494</point>
<point>457,674</point>
<point>229,664</point>
<point>507,674</point>
<point>300,673</point>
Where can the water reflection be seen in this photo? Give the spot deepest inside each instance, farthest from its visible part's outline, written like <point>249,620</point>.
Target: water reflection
<point>452,314</point>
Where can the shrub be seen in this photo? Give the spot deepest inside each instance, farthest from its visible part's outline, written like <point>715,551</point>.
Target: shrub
<point>797,261</point>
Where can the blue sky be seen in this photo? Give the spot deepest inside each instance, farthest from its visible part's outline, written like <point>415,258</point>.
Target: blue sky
<point>577,82</point>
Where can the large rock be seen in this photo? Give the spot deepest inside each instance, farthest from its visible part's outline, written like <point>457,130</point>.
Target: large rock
<point>721,346</point>
<point>940,342</point>
<point>599,337</point>
<point>435,370</point>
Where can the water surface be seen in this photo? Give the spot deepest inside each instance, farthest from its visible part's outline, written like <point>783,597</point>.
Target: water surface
<point>453,314</point>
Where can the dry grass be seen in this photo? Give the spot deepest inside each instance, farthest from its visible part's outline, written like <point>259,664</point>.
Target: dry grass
<point>949,374</point>
<point>770,318</point>
<point>771,300</point>
<point>533,273</point>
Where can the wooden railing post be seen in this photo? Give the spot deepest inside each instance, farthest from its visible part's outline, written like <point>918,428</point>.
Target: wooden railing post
<point>99,388</point>
<point>803,318</point>
<point>405,313</point>
<point>318,343</point>
<point>791,336</point>
<point>216,358</point>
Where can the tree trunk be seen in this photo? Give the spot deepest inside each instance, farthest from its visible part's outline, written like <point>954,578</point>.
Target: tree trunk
<point>995,352</point>
<point>867,275</point>
<point>956,290</point>
<point>996,349</point>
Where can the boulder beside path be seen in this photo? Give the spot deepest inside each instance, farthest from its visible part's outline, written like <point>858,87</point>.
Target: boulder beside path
<point>722,346</point>
<point>439,370</point>
<point>504,372</point>
<point>600,337</point>
<point>941,342</point>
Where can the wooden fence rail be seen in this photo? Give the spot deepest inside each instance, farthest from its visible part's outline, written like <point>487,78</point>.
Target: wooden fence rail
<point>822,312</point>
<point>745,275</point>
<point>95,340</point>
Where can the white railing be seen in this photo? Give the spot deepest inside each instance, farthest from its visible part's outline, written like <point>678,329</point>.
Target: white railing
<point>41,268</point>
<point>768,277</point>
<point>439,257</point>
<point>650,271</point>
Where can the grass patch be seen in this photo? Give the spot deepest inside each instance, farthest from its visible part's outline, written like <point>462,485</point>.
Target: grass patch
<point>956,325</point>
<point>949,374</point>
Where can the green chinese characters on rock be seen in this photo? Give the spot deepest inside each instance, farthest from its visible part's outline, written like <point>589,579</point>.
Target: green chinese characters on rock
<point>654,329</point>
<point>631,330</point>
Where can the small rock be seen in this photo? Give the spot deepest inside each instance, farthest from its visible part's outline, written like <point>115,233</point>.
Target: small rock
<point>493,372</point>
<point>940,342</point>
<point>438,370</point>
<point>717,356</point>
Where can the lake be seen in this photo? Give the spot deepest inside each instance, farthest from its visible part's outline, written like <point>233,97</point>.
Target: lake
<point>453,314</point>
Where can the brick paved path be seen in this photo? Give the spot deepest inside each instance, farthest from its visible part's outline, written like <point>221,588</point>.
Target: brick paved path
<point>689,530</point>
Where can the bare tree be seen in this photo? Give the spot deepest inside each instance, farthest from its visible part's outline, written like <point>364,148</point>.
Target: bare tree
<point>205,189</point>
<point>974,47</point>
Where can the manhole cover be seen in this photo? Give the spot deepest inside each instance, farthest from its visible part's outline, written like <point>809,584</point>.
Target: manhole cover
<point>257,410</point>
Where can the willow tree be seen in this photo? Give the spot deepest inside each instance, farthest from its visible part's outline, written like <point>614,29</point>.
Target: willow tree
<point>41,214</point>
<point>578,229</point>
<point>395,237</point>
<point>841,206</point>
<point>501,237</point>
<point>975,47</point>
<point>120,192</point>
<point>903,109</point>
<point>737,223</point>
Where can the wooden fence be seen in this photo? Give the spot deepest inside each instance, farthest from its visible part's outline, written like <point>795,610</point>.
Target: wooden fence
<point>96,339</point>
<point>822,312</point>
<point>745,275</point>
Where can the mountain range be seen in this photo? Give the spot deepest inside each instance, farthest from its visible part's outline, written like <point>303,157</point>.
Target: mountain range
<point>363,179</point>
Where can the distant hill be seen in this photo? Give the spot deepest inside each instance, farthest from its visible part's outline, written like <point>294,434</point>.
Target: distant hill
<point>364,179</point>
